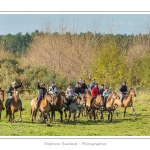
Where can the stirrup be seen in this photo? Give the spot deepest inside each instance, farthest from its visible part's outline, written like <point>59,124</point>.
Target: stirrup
<point>3,108</point>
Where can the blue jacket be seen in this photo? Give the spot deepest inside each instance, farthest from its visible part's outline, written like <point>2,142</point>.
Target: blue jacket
<point>92,86</point>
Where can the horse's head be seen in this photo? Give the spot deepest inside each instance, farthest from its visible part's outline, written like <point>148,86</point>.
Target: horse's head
<point>48,96</point>
<point>1,95</point>
<point>114,95</point>
<point>62,96</point>
<point>132,92</point>
<point>100,100</point>
<point>87,93</point>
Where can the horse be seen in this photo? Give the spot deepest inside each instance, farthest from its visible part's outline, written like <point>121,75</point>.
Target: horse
<point>44,107</point>
<point>1,101</point>
<point>58,105</point>
<point>88,97</point>
<point>111,104</point>
<point>82,103</point>
<point>15,105</point>
<point>74,107</point>
<point>128,102</point>
<point>97,104</point>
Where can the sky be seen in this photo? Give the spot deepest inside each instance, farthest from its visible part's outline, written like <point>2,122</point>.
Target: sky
<point>100,23</point>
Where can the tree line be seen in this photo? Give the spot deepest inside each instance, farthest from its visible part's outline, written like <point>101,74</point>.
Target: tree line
<point>65,57</point>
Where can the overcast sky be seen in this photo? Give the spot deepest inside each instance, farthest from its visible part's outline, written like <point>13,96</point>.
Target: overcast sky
<point>103,23</point>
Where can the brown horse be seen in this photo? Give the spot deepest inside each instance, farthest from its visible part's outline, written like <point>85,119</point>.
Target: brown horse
<point>97,104</point>
<point>111,104</point>
<point>15,105</point>
<point>87,97</point>
<point>44,107</point>
<point>58,105</point>
<point>128,102</point>
<point>1,101</point>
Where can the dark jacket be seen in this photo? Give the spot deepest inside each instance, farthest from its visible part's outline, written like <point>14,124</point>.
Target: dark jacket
<point>123,89</point>
<point>101,91</point>
<point>11,89</point>
<point>77,90</point>
<point>42,91</point>
<point>84,86</point>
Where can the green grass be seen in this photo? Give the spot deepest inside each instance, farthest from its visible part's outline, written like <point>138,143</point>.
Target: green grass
<point>120,126</point>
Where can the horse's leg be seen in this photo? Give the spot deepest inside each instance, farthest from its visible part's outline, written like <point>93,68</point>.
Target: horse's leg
<point>87,113</point>
<point>111,116</point>
<point>13,116</point>
<point>50,119</point>
<point>69,116</point>
<point>102,117</point>
<point>53,115</point>
<point>74,116</point>
<point>90,113</point>
<point>124,111</point>
<point>44,116</point>
<point>31,116</point>
<point>61,115</point>
<point>65,113</point>
<point>20,116</point>
<point>108,115</point>
<point>134,112</point>
<point>79,113</point>
<point>94,113</point>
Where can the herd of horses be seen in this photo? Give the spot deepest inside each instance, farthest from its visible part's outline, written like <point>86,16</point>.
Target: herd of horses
<point>81,105</point>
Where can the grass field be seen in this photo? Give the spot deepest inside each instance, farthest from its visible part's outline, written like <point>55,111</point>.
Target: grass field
<point>120,126</point>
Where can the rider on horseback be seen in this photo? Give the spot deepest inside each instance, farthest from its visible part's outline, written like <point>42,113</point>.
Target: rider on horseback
<point>92,84</point>
<point>101,90</point>
<point>122,90</point>
<point>41,93</point>
<point>53,90</point>
<point>106,93</point>
<point>95,92</point>
<point>69,94</point>
<point>10,90</point>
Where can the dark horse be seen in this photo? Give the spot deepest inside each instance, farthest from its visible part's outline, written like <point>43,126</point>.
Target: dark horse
<point>58,105</point>
<point>1,101</point>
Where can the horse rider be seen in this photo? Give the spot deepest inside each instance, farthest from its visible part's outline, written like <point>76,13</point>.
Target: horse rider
<point>101,90</point>
<point>123,90</point>
<point>41,93</point>
<point>106,93</point>
<point>78,89</point>
<point>95,92</point>
<point>92,84</point>
<point>53,90</point>
<point>69,94</point>
<point>11,90</point>
<point>84,86</point>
